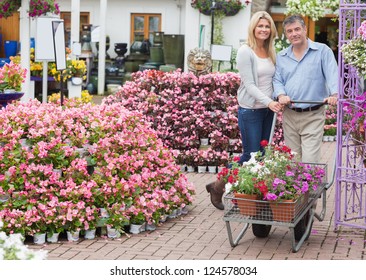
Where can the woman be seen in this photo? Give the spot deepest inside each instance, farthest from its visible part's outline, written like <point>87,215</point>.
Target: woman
<point>255,62</point>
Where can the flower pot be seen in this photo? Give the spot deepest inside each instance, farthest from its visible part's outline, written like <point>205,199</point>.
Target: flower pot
<point>135,229</point>
<point>190,168</point>
<point>247,203</point>
<point>73,236</point>
<point>182,167</point>
<point>112,232</point>
<point>212,169</point>
<point>52,238</point>
<point>77,81</point>
<point>39,238</point>
<point>204,141</point>
<point>103,213</point>
<point>163,218</point>
<point>202,169</point>
<point>143,227</point>
<point>150,227</point>
<point>173,214</point>
<point>58,171</point>
<point>184,210</point>
<point>233,141</point>
<point>5,99</point>
<point>4,198</point>
<point>283,211</point>
<point>90,234</point>
<point>23,143</point>
<point>287,210</point>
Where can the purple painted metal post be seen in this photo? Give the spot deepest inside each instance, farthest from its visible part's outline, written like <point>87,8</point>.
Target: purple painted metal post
<point>350,204</point>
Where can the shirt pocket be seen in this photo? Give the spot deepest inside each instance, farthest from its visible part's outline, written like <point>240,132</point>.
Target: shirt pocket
<point>313,72</point>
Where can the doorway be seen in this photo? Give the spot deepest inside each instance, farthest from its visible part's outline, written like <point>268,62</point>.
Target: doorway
<point>326,31</point>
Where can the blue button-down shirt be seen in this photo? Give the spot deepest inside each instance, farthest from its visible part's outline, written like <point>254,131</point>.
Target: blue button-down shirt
<point>313,77</point>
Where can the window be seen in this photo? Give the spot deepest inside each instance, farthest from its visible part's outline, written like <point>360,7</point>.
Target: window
<point>144,25</point>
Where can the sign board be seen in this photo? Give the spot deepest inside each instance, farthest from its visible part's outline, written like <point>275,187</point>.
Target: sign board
<point>59,43</point>
<point>44,38</point>
<point>221,52</point>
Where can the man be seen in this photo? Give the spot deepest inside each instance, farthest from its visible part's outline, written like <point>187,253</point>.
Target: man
<point>305,71</point>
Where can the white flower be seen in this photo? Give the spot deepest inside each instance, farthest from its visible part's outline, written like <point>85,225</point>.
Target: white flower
<point>228,187</point>
<point>12,247</point>
<point>312,8</point>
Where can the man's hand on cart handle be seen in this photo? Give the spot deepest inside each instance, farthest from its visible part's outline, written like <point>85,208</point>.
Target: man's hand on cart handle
<point>331,100</point>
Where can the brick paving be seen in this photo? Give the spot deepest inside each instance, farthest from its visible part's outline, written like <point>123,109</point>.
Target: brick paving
<point>202,235</point>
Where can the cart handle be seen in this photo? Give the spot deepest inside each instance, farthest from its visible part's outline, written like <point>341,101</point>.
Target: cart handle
<point>308,101</point>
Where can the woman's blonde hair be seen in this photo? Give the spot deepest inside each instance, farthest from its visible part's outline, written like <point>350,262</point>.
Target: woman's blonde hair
<point>269,43</point>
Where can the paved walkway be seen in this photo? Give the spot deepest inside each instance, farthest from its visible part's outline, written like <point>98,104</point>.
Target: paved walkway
<point>202,234</point>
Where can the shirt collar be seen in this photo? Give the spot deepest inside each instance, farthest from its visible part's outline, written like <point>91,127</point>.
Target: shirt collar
<point>311,45</point>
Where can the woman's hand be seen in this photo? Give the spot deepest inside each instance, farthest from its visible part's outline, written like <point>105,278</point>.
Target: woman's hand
<point>275,106</point>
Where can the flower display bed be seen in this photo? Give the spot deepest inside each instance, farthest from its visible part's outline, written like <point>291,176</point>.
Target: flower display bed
<point>184,108</point>
<point>51,185</point>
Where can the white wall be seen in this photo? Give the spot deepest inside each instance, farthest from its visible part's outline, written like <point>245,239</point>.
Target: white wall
<point>178,17</point>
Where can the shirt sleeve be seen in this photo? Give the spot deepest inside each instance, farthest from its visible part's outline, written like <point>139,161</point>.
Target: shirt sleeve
<point>330,70</point>
<point>278,81</point>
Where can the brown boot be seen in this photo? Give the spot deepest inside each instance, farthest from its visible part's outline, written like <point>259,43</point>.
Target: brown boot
<point>216,190</point>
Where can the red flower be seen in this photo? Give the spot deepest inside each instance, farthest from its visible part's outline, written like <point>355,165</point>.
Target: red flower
<point>262,188</point>
<point>223,173</point>
<point>231,179</point>
<point>236,159</point>
<point>264,143</point>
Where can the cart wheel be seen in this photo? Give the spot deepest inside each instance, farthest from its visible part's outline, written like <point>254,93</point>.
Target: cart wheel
<point>261,230</point>
<point>264,213</point>
<point>301,226</point>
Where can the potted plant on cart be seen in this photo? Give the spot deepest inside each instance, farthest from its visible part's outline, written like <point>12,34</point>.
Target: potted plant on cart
<point>273,177</point>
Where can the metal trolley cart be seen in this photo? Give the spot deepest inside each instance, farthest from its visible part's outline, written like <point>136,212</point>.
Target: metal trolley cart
<point>298,216</point>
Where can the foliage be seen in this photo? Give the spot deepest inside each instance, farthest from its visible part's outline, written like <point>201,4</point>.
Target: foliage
<point>281,43</point>
<point>12,76</point>
<point>9,7</point>
<point>312,8</point>
<point>355,120</point>
<point>330,129</point>
<point>42,7</point>
<point>226,7</point>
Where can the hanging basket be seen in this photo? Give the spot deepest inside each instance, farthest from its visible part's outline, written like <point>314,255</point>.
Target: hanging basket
<point>228,8</point>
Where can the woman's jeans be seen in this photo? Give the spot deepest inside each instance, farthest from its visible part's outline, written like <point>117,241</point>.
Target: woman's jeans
<point>255,125</point>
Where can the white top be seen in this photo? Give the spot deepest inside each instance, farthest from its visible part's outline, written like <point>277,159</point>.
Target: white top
<point>266,70</point>
<point>248,92</point>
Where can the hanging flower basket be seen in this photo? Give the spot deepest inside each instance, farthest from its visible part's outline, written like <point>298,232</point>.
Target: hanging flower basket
<point>227,7</point>
<point>9,7</point>
<point>43,7</point>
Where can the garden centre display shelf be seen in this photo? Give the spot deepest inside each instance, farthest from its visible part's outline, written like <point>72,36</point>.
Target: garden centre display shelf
<point>262,215</point>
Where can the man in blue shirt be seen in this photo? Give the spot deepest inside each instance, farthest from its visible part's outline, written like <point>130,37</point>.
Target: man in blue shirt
<point>305,71</point>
